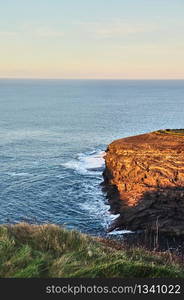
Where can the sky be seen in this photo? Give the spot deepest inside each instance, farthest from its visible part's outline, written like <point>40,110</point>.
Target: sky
<point>101,39</point>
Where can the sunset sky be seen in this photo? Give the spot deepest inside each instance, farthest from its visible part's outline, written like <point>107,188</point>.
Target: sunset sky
<point>127,39</point>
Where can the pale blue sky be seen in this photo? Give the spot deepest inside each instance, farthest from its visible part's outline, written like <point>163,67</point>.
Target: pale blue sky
<point>92,39</point>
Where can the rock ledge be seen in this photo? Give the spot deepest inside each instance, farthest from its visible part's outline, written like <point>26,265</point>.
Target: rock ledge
<point>144,179</point>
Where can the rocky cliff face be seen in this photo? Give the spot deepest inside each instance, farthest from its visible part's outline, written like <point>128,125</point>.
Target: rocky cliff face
<point>146,172</point>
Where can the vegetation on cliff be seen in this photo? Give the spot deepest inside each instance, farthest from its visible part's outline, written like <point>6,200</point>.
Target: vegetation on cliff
<point>50,251</point>
<point>171,131</point>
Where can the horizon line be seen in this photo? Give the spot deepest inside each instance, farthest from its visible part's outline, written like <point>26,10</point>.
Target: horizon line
<point>83,78</point>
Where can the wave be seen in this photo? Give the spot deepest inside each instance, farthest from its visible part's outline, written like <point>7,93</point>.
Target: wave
<point>119,232</point>
<point>87,163</point>
<point>94,203</point>
<point>21,174</point>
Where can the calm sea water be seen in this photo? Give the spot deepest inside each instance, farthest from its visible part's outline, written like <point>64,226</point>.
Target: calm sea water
<point>52,137</point>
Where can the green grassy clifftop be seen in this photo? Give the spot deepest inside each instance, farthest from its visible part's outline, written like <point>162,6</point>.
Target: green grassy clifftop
<point>50,251</point>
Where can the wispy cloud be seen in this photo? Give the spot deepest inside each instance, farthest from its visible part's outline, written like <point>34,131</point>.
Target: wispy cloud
<point>8,34</point>
<point>41,32</point>
<point>115,28</point>
<point>49,33</point>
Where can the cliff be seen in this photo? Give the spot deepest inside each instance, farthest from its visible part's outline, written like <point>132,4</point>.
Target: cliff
<point>144,179</point>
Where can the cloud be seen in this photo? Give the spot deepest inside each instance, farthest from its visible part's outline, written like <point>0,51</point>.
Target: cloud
<point>8,34</point>
<point>49,33</point>
<point>115,28</point>
<point>27,31</point>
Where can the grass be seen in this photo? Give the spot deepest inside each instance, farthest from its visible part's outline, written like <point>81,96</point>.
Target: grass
<point>179,132</point>
<point>28,251</point>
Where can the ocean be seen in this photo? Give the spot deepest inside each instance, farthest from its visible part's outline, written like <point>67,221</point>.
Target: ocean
<point>53,134</point>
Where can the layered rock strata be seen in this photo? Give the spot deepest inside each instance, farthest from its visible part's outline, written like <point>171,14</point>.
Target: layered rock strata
<point>144,177</point>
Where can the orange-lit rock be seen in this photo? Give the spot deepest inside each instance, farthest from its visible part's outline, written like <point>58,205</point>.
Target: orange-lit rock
<point>147,173</point>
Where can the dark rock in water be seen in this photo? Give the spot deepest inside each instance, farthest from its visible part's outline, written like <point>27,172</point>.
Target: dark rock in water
<point>144,180</point>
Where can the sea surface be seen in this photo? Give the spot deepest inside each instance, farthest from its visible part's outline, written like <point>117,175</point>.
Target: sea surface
<point>53,134</point>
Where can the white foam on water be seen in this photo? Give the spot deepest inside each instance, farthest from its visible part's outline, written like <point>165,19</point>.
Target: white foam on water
<point>113,216</point>
<point>92,163</point>
<point>87,163</point>
<point>21,174</point>
<point>119,232</point>
<point>97,209</point>
<point>60,176</point>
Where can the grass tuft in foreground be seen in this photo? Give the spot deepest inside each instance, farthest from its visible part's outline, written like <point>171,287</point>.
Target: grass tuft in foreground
<point>50,251</point>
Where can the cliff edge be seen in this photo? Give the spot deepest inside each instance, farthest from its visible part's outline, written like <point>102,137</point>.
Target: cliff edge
<point>144,179</point>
